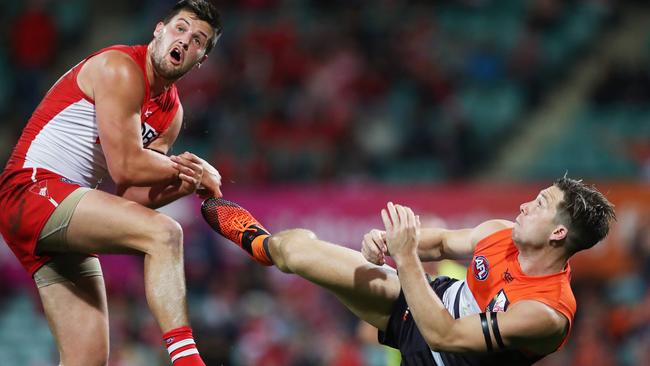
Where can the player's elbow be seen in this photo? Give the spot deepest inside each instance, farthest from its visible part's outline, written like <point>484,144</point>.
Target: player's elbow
<point>430,254</point>
<point>437,342</point>
<point>448,341</point>
<point>122,180</point>
<point>441,344</point>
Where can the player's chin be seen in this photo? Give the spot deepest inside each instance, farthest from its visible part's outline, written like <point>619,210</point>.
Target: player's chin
<point>172,72</point>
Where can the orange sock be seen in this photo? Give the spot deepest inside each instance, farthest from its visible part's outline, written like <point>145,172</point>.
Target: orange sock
<point>260,250</point>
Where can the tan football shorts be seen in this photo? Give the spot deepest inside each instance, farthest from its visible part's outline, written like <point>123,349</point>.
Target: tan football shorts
<point>63,266</point>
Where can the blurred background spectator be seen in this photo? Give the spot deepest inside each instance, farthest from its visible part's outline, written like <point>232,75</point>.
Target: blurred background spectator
<point>317,112</point>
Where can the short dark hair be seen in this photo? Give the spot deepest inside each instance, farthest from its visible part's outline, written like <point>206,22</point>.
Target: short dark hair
<point>204,10</point>
<point>586,213</point>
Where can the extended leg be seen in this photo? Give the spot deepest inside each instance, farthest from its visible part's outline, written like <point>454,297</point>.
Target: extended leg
<point>368,290</point>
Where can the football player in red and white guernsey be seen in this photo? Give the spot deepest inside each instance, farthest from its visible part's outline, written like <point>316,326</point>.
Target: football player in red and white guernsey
<point>115,113</point>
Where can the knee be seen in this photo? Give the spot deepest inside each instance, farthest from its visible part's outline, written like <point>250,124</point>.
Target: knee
<point>167,234</point>
<point>296,235</point>
<point>293,237</point>
<point>286,247</point>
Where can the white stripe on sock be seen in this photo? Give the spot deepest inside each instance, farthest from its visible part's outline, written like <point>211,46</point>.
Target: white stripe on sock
<point>187,352</point>
<point>180,344</point>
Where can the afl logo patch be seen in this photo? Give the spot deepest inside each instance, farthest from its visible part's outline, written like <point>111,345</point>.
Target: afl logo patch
<point>480,268</point>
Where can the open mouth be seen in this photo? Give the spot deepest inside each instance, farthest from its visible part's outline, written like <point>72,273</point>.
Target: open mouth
<point>176,56</point>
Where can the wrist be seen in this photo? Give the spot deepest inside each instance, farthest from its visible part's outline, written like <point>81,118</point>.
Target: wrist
<point>405,259</point>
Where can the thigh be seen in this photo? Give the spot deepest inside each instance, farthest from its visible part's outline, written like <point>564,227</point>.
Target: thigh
<point>53,235</point>
<point>105,223</point>
<point>77,313</point>
<point>368,290</point>
<point>28,197</point>
<point>67,267</point>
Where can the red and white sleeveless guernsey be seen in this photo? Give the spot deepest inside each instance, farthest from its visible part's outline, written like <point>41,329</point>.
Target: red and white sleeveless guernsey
<point>59,150</point>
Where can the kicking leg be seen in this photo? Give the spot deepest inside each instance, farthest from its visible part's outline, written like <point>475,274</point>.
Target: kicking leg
<point>368,290</point>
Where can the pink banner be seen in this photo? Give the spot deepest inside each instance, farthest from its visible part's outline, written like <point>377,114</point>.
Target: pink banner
<point>343,213</point>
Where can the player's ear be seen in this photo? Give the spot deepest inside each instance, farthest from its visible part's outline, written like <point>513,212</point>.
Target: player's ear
<point>158,29</point>
<point>198,64</point>
<point>559,233</point>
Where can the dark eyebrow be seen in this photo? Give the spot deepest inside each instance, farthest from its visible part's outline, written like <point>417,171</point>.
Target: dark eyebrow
<point>188,24</point>
<point>203,34</point>
<point>544,196</point>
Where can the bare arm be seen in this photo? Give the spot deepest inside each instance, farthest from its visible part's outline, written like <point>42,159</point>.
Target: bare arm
<point>438,244</point>
<point>435,244</point>
<point>195,174</point>
<point>116,84</point>
<point>530,325</point>
<point>159,195</point>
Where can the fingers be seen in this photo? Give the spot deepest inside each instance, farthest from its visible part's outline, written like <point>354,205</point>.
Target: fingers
<point>185,164</point>
<point>209,169</point>
<point>373,247</point>
<point>402,215</point>
<point>390,216</point>
<point>187,160</point>
<point>410,217</point>
<point>191,157</point>
<point>188,179</point>
<point>211,178</point>
<point>379,237</point>
<point>386,219</point>
<point>372,254</point>
<point>397,217</point>
<point>217,192</point>
<point>392,211</point>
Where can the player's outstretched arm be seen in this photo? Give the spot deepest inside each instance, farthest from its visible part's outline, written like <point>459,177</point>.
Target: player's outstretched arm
<point>434,244</point>
<point>116,84</point>
<point>528,325</point>
<point>438,244</point>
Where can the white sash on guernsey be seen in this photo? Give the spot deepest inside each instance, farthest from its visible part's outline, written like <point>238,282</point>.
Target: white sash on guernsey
<point>460,302</point>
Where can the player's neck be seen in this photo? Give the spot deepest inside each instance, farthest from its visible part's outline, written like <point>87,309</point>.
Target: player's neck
<point>541,261</point>
<point>157,84</point>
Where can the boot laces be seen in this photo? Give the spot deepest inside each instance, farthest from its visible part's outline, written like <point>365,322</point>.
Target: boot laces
<point>242,225</point>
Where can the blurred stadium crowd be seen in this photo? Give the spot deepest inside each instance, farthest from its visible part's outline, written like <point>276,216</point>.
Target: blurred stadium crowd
<point>347,92</point>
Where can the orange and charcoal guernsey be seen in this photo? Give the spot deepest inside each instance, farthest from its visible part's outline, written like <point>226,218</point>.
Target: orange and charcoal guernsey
<point>496,280</point>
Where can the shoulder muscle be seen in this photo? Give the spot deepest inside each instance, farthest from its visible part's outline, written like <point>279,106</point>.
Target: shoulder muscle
<point>112,73</point>
<point>488,228</point>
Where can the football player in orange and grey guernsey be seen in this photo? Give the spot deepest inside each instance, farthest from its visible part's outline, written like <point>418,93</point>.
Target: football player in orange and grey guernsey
<point>515,307</point>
